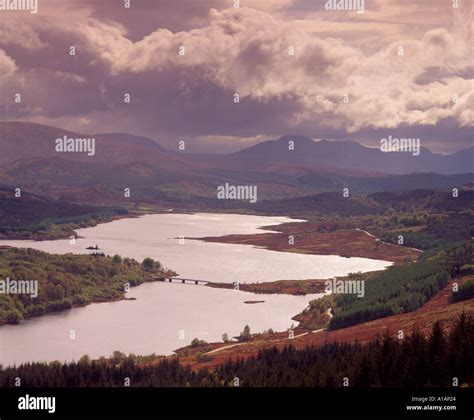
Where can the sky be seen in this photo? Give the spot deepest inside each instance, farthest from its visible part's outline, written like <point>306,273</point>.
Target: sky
<point>402,68</point>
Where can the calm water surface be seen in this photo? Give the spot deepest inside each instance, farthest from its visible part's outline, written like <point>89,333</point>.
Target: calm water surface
<point>163,313</point>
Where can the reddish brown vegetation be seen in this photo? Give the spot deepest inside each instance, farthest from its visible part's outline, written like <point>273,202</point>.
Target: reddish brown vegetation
<point>438,308</point>
<point>309,240</point>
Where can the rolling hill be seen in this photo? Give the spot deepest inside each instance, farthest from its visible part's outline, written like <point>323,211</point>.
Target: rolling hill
<point>153,174</point>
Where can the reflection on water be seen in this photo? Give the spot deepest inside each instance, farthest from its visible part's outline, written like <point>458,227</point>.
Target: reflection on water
<point>162,312</point>
<point>150,324</point>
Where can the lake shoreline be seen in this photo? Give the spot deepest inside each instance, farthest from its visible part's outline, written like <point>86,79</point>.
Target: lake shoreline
<point>287,287</point>
<point>78,305</point>
<point>20,305</point>
<point>157,235</point>
<point>288,237</point>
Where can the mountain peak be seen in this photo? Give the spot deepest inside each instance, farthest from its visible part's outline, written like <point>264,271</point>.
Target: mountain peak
<point>296,138</point>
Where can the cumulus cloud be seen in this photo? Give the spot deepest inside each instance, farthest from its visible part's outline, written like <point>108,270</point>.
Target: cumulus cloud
<point>289,77</point>
<point>7,66</point>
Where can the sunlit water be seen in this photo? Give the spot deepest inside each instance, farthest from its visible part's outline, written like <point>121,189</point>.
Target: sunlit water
<point>168,316</point>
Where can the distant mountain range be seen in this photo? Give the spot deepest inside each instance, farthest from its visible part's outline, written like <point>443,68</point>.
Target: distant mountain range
<point>29,159</point>
<point>349,155</point>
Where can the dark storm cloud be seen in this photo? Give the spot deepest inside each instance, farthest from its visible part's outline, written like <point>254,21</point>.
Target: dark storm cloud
<point>145,16</point>
<point>229,51</point>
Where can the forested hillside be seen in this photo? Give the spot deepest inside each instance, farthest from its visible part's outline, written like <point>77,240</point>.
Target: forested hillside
<point>67,280</point>
<point>34,217</point>
<point>398,289</point>
<point>415,361</point>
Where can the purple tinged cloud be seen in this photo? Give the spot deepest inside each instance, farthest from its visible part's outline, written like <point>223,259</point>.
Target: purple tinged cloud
<point>331,85</point>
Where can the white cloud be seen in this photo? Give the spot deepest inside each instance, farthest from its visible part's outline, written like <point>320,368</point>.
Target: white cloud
<point>245,51</point>
<point>7,66</point>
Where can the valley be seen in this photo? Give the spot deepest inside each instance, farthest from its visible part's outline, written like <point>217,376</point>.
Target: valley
<point>274,196</point>
<point>398,239</point>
